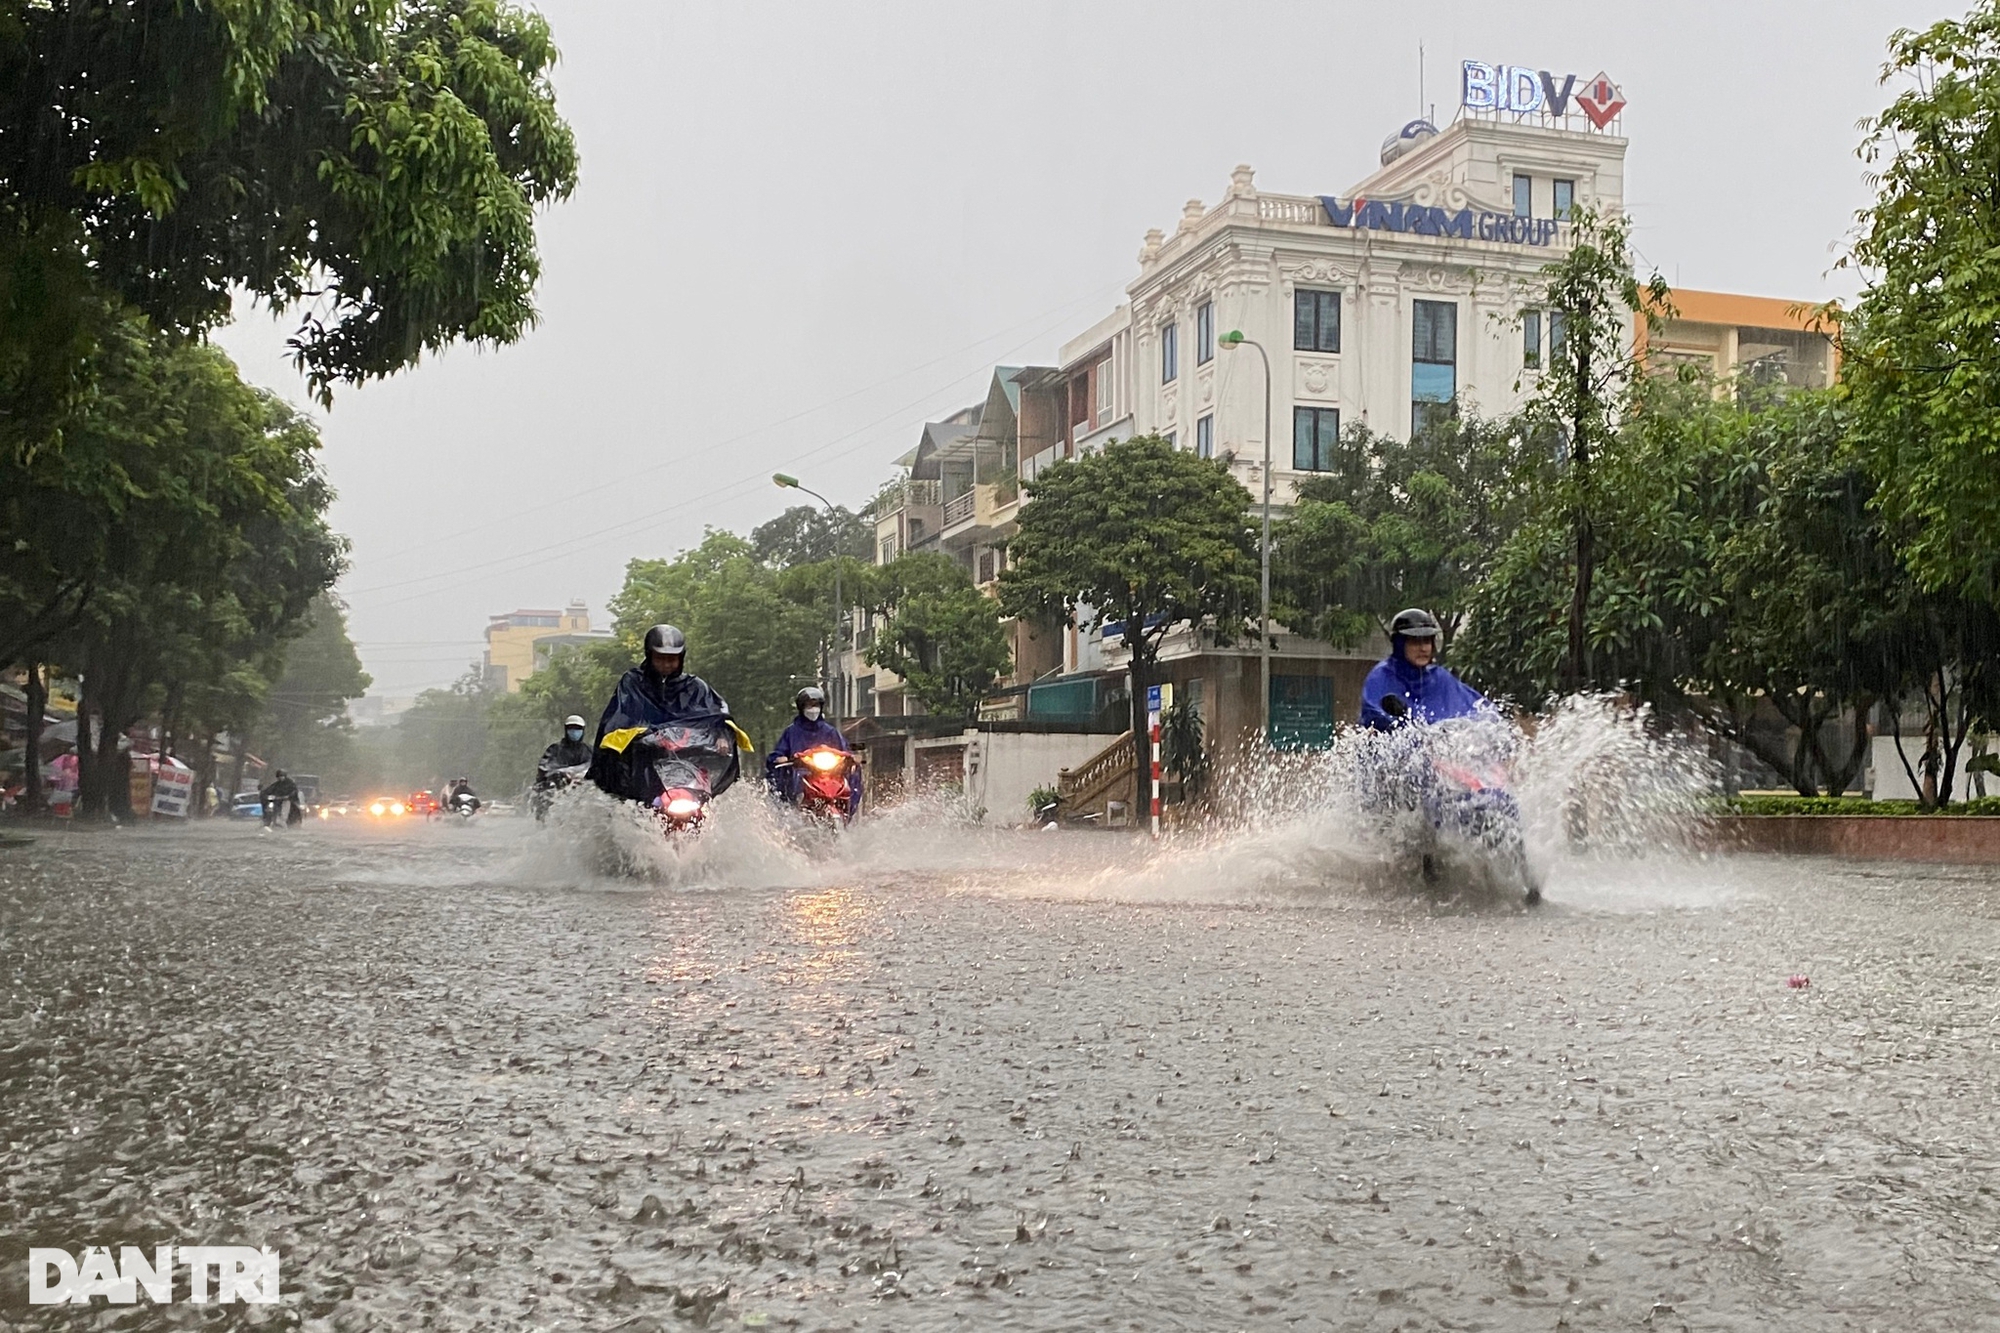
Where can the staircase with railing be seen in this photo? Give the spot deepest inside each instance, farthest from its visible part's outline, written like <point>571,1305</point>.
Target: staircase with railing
<point>1091,786</point>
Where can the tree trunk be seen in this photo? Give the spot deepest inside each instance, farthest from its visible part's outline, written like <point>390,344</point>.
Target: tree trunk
<point>86,748</point>
<point>1840,779</point>
<point>33,799</point>
<point>241,744</point>
<point>1578,667</point>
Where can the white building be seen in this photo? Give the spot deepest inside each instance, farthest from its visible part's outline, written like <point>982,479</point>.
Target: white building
<point>1409,293</point>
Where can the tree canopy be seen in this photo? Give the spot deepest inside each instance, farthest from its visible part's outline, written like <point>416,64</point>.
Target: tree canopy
<point>1920,358</point>
<point>1145,534</point>
<point>938,632</point>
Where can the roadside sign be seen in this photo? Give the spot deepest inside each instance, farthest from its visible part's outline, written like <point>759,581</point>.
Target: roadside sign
<point>173,789</point>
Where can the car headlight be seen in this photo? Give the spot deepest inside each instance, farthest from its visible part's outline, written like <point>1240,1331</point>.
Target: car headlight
<point>681,807</point>
<point>826,760</point>
<point>377,809</point>
<point>396,808</point>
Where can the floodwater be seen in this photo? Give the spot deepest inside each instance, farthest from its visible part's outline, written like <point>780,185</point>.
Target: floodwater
<point>942,1076</point>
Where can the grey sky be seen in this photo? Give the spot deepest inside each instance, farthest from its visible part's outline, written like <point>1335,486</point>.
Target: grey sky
<point>803,229</point>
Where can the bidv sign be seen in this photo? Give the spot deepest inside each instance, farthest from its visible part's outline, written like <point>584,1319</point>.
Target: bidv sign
<point>1420,220</point>
<point>1525,91</point>
<point>241,1274</point>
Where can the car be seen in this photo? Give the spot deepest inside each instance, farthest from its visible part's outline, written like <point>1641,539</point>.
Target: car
<point>387,807</point>
<point>247,805</point>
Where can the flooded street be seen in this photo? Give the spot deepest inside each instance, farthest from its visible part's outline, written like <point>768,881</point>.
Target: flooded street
<point>957,1078</point>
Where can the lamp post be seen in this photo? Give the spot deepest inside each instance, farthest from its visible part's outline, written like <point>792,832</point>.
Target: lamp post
<point>785,481</point>
<point>1232,339</point>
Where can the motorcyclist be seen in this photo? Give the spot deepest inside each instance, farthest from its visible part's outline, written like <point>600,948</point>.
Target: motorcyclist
<point>656,692</point>
<point>280,793</point>
<point>562,754</point>
<point>808,731</point>
<point>1429,692</point>
<point>457,788</point>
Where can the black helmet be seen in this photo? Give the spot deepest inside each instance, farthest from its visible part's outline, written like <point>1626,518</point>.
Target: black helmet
<point>1415,623</point>
<point>810,696</point>
<point>666,639</point>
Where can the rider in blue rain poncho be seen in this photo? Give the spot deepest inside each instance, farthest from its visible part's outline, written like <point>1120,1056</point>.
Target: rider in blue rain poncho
<point>809,730</point>
<point>1429,692</point>
<point>655,693</point>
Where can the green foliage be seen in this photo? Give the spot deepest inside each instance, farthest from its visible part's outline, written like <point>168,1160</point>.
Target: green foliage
<point>1919,358</point>
<point>171,548</point>
<point>306,727</point>
<point>746,637</point>
<point>1591,299</point>
<point>939,632</point>
<point>1400,523</point>
<point>804,534</point>
<point>1852,805</point>
<point>376,164</point>
<point>1041,798</point>
<point>1181,750</point>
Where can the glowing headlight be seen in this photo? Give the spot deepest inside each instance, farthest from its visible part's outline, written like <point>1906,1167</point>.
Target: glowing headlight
<point>377,809</point>
<point>396,807</point>
<point>825,760</point>
<point>681,807</point>
<point>323,812</point>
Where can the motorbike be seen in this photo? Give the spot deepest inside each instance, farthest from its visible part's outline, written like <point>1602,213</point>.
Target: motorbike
<point>676,769</point>
<point>824,794</point>
<point>463,804</point>
<point>551,783</point>
<point>1461,794</point>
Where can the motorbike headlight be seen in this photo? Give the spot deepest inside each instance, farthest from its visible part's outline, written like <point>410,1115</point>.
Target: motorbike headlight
<point>682,807</point>
<point>396,808</point>
<point>377,809</point>
<point>825,760</point>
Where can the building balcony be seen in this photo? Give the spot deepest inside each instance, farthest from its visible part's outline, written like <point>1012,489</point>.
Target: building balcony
<point>981,513</point>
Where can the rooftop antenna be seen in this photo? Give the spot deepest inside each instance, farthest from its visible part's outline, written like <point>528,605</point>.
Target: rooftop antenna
<point>1420,77</point>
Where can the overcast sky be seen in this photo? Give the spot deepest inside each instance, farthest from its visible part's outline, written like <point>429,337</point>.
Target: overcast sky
<point>804,229</point>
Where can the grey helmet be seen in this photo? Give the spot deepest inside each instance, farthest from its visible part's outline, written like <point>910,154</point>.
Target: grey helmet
<point>1415,623</point>
<point>812,696</point>
<point>666,639</point>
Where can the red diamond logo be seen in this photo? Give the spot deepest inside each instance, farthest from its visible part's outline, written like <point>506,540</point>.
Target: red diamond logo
<point>1601,100</point>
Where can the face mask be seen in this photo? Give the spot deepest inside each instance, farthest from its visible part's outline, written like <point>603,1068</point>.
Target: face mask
<point>812,714</point>
<point>573,733</point>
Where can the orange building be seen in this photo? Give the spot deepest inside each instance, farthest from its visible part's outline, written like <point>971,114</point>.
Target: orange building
<point>1763,338</point>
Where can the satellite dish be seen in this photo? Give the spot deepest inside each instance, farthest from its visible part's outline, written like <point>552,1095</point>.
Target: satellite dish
<point>1403,140</point>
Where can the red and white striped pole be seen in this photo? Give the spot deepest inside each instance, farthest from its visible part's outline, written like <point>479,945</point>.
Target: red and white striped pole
<point>1155,729</point>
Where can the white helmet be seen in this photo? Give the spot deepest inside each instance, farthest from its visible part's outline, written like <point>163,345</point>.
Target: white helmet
<point>572,721</point>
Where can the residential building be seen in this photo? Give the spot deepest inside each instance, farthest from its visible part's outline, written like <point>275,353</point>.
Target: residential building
<point>519,643</point>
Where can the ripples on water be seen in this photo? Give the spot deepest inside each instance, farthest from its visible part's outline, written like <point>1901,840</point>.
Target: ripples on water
<point>939,1075</point>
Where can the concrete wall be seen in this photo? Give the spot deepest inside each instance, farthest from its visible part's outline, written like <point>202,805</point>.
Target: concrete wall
<point>1002,767</point>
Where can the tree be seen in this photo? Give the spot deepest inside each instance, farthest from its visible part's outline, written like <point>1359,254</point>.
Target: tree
<point>1397,523</point>
<point>1591,298</point>
<point>375,164</point>
<point>307,728</point>
<point>1147,535</point>
<point>939,632</point>
<point>193,542</point>
<point>804,534</point>
<point>1918,353</point>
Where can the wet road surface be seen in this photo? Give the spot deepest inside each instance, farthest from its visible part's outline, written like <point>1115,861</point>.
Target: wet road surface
<point>977,1080</point>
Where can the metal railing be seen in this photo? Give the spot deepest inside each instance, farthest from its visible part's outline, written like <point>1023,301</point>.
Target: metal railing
<point>959,508</point>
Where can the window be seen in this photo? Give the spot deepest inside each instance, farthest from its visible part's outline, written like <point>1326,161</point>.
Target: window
<point>1204,333</point>
<point>1433,361</point>
<point>1170,352</point>
<point>1315,436</point>
<point>1204,437</point>
<point>986,566</point>
<point>1316,321</point>
<point>1556,334</point>
<point>864,696</point>
<point>1104,385</point>
<point>888,549</point>
<point>1524,196</point>
<point>1565,198</point>
<point>1531,339</point>
<point>1170,437</point>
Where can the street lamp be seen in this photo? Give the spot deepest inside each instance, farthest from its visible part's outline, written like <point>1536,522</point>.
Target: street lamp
<point>785,481</point>
<point>1232,339</point>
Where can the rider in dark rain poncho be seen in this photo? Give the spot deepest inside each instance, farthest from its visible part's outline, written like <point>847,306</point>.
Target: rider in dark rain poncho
<point>1429,692</point>
<point>655,693</point>
<point>809,730</point>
